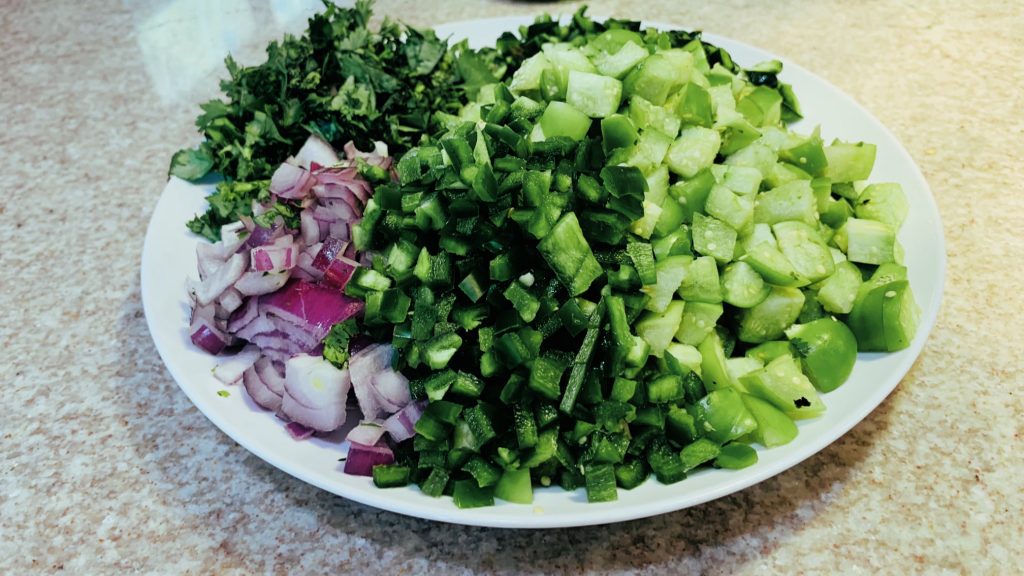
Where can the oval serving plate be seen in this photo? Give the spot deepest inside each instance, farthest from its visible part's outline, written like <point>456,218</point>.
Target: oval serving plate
<point>169,257</point>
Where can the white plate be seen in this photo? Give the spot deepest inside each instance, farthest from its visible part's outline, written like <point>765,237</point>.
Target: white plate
<point>169,257</point>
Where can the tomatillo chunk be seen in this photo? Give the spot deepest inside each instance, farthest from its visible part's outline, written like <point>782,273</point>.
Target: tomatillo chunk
<point>827,349</point>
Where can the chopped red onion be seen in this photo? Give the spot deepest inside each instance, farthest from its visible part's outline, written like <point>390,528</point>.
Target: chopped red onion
<point>321,419</point>
<point>274,258</point>
<point>232,236</point>
<point>339,272</point>
<point>260,236</point>
<point>222,278</point>
<point>305,266</point>
<point>277,356</point>
<point>368,432</point>
<point>314,382</point>
<point>231,369</point>
<point>258,390</point>
<point>343,183</point>
<point>206,336</point>
<point>330,249</point>
<point>312,306</point>
<point>271,375</point>
<point>258,325</point>
<point>342,211</point>
<point>300,274</point>
<point>401,424</point>
<point>279,341</point>
<point>231,300</point>
<point>315,393</point>
<point>298,431</point>
<point>392,386</point>
<point>340,229</point>
<point>297,334</point>
<point>208,259</point>
<point>379,156</point>
<point>361,459</point>
<point>309,228</point>
<point>254,283</point>
<point>241,317</point>
<point>292,182</point>
<point>363,365</point>
<point>315,149</point>
<point>341,191</point>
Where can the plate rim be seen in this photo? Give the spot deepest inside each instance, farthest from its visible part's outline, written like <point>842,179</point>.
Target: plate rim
<point>594,514</point>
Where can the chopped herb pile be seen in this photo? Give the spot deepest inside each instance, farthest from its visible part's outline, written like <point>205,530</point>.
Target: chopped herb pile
<point>340,80</point>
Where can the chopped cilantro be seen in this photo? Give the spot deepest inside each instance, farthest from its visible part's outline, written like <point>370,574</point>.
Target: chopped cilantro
<point>800,347</point>
<point>339,80</point>
<point>336,342</point>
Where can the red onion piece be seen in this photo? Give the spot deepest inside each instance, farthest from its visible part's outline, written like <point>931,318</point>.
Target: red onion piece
<point>258,325</point>
<point>363,366</point>
<point>232,236</point>
<point>315,149</point>
<point>241,317</point>
<point>274,258</point>
<point>278,341</point>
<point>297,334</point>
<point>379,156</point>
<point>393,387</point>
<point>222,278</point>
<point>321,419</point>
<point>344,183</point>
<point>342,211</point>
<point>329,250</point>
<point>314,382</point>
<point>259,390</point>
<point>208,259</point>
<point>298,431</point>
<point>401,424</point>
<point>292,182</point>
<point>260,236</point>
<point>271,375</point>
<point>231,369</point>
<point>311,306</point>
<point>277,356</point>
<point>367,433</point>
<point>208,337</point>
<point>340,229</point>
<point>361,459</point>
<point>305,266</point>
<point>309,228</point>
<point>231,300</point>
<point>315,393</point>
<point>339,272</point>
<point>254,283</point>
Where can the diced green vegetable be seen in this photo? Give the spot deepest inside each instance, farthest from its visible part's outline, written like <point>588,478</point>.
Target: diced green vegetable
<point>577,306</point>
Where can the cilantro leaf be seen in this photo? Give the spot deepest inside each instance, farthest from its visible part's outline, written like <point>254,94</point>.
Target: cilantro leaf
<point>191,165</point>
<point>337,340</point>
<point>800,347</point>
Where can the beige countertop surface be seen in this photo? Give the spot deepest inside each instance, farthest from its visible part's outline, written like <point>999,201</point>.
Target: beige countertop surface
<point>107,468</point>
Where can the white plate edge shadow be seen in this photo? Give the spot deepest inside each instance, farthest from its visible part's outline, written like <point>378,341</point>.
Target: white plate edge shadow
<point>165,305</point>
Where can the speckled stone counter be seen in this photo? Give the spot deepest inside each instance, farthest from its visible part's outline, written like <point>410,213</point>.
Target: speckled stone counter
<point>106,467</point>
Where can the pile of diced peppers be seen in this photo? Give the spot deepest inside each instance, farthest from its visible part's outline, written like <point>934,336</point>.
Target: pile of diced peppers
<point>567,272</point>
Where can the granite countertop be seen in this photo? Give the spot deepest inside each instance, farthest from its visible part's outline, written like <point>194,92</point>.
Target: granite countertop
<point>106,467</point>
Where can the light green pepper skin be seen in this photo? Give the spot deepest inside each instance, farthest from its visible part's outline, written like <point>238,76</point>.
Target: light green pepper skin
<point>721,416</point>
<point>827,349</point>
